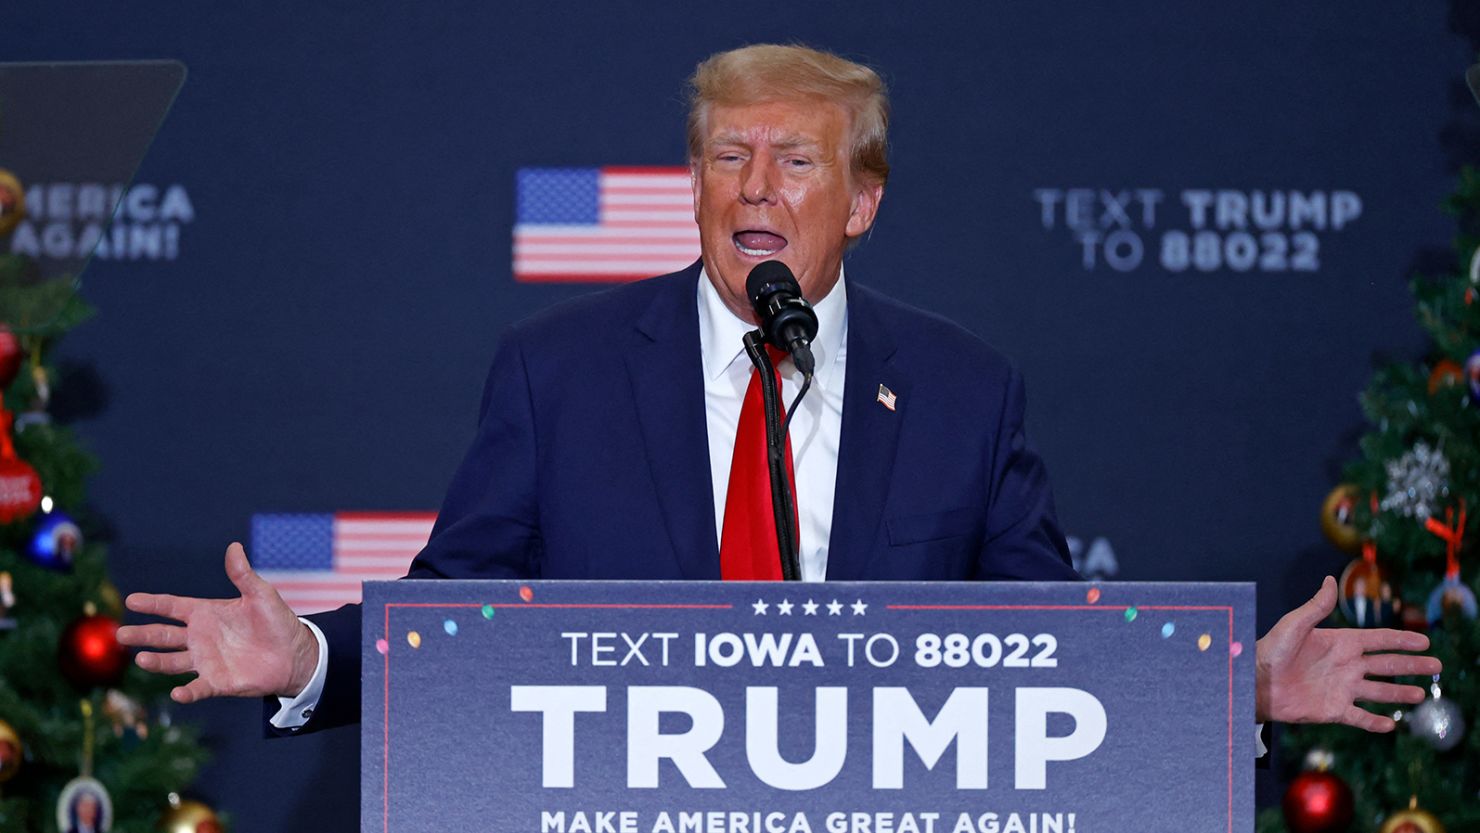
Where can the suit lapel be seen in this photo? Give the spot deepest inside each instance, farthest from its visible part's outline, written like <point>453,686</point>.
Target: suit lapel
<point>870,435</point>
<point>666,369</point>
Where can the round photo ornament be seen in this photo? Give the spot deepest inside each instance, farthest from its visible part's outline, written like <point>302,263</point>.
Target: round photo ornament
<point>84,806</point>
<point>1365,592</point>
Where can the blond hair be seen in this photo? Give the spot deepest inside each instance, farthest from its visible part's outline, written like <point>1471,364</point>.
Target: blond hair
<point>772,72</point>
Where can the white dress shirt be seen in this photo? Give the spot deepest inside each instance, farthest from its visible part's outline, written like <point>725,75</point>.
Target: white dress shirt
<point>815,429</point>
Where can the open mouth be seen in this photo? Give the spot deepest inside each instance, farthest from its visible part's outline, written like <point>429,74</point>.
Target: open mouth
<point>758,243</point>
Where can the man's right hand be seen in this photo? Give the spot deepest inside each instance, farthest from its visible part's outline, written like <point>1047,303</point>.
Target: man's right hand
<point>251,646</point>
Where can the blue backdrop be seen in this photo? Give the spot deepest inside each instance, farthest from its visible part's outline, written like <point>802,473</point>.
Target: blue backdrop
<point>1091,187</point>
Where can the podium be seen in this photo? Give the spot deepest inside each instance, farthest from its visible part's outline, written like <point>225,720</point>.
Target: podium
<point>710,707</point>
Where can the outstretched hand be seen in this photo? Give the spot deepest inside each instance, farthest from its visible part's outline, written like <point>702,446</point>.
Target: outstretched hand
<point>1306,674</point>
<point>250,646</point>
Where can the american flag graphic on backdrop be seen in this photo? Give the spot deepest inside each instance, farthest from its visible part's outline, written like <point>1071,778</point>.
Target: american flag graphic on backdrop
<point>318,561</point>
<point>602,224</point>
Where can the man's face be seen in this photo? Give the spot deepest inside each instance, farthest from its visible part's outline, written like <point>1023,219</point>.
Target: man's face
<point>773,182</point>
<point>87,808</point>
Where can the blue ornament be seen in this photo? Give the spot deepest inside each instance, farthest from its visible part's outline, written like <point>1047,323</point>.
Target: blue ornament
<point>55,541</point>
<point>1472,373</point>
<point>1451,593</point>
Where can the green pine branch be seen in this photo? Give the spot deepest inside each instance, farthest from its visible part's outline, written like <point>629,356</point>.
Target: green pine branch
<point>1406,404</point>
<point>139,769</point>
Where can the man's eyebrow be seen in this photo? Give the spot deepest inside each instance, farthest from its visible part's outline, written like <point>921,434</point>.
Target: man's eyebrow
<point>794,141</point>
<point>790,141</point>
<point>726,139</point>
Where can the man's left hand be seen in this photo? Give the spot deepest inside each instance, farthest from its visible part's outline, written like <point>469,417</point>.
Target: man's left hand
<point>1306,674</point>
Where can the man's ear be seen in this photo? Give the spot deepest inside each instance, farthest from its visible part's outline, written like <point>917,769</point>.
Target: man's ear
<point>694,183</point>
<point>865,208</point>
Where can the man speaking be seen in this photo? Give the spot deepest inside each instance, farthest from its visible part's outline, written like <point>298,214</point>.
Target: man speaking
<point>621,435</point>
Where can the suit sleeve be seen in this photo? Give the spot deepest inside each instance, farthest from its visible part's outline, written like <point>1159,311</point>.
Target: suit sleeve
<point>488,528</point>
<point>1023,540</point>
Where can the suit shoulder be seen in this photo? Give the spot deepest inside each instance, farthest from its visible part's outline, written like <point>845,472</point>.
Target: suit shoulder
<point>930,336</point>
<point>602,315</point>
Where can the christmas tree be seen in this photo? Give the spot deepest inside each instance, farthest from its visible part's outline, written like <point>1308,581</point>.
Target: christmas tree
<point>82,731</point>
<point>1408,512</point>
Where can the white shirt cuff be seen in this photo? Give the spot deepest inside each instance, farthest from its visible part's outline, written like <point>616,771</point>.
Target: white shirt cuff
<point>1259,749</point>
<point>293,712</point>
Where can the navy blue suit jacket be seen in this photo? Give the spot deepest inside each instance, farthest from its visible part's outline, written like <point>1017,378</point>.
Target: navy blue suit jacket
<point>592,460</point>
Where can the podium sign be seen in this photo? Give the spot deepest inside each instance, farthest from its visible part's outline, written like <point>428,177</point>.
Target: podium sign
<point>706,707</point>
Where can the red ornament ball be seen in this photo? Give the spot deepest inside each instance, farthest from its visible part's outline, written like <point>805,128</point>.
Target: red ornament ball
<point>1413,618</point>
<point>20,489</point>
<point>1318,802</point>
<point>89,653</point>
<point>10,356</point>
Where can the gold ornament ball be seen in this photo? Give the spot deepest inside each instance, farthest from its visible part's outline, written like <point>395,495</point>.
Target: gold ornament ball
<point>1412,820</point>
<point>109,601</point>
<point>11,752</point>
<point>189,816</point>
<point>12,202</point>
<point>1337,516</point>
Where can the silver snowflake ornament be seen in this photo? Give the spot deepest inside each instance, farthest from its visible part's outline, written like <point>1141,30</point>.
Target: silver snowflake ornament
<point>1417,482</point>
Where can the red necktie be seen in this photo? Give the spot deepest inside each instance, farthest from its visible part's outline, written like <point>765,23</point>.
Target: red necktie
<point>747,549</point>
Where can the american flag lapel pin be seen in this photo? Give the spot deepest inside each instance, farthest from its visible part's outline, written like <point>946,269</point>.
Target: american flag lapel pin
<point>887,397</point>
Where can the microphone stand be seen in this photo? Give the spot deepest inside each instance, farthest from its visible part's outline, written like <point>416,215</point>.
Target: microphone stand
<point>783,502</point>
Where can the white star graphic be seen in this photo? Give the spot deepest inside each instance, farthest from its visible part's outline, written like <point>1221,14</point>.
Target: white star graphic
<point>859,607</point>
<point>760,607</point>
<point>810,608</point>
<point>784,607</point>
<point>835,608</point>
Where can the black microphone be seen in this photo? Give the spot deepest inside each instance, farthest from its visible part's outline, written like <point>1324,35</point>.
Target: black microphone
<point>784,315</point>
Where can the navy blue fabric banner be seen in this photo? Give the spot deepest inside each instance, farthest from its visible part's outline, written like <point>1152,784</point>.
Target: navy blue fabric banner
<point>1191,226</point>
